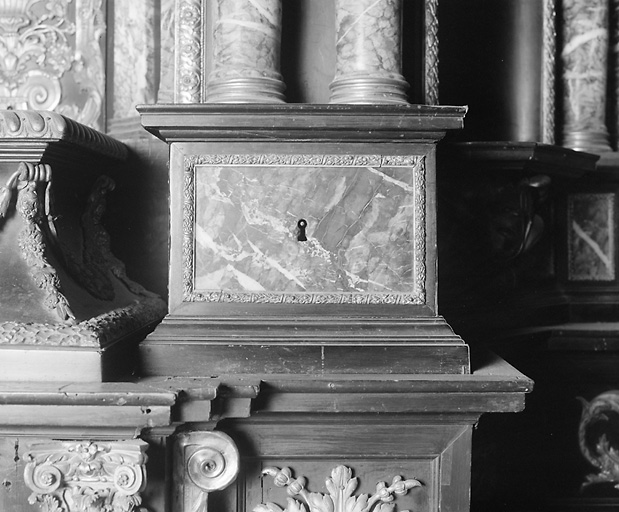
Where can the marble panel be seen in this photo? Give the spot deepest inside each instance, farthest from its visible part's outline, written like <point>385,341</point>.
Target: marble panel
<point>591,243</point>
<point>305,228</point>
<point>167,24</point>
<point>134,56</point>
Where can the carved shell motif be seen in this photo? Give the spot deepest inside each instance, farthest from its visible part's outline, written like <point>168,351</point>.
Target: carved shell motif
<point>341,486</point>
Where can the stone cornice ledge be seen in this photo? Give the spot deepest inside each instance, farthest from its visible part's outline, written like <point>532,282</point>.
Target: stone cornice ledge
<point>17,125</point>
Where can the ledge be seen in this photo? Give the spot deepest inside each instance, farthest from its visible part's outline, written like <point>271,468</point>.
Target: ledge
<point>100,407</point>
<point>27,135</point>
<point>200,122</point>
<point>526,156</point>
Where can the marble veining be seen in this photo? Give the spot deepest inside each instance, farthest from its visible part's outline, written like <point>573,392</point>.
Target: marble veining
<point>134,56</point>
<point>584,56</point>
<point>368,37</point>
<point>247,38</point>
<point>365,229</point>
<point>591,245</point>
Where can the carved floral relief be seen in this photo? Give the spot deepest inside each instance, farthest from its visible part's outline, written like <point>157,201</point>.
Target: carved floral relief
<point>341,487</point>
<point>595,437</point>
<point>51,57</point>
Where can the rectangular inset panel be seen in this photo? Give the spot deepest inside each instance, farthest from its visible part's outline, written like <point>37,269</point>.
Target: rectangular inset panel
<point>591,243</point>
<point>305,229</point>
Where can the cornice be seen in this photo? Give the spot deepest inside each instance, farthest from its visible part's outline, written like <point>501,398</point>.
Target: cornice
<point>315,122</point>
<point>28,126</point>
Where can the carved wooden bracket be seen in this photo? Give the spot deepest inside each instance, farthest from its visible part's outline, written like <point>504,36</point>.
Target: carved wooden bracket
<point>599,416</point>
<point>341,486</point>
<point>72,476</point>
<point>203,462</point>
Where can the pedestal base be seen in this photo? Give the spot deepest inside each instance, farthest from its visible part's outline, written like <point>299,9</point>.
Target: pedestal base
<point>368,90</point>
<point>246,90</point>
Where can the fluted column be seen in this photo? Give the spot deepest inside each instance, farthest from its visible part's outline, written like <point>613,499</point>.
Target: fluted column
<point>246,52</point>
<point>584,57</point>
<point>368,52</point>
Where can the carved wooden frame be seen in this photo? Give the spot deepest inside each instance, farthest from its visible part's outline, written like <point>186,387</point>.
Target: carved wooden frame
<point>417,165</point>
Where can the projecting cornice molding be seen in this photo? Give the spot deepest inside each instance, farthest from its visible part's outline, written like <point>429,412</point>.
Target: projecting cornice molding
<point>28,126</point>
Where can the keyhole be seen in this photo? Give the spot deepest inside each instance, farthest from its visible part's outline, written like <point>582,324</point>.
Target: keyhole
<point>302,224</point>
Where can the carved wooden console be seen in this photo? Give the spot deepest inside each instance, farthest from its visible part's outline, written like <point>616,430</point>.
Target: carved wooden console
<point>68,309</point>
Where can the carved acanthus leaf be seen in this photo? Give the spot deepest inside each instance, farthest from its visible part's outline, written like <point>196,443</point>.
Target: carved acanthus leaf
<point>341,498</point>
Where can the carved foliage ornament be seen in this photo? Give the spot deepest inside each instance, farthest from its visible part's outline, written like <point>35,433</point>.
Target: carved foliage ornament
<point>341,486</point>
<point>86,476</point>
<point>40,46</point>
<point>29,179</point>
<point>598,415</point>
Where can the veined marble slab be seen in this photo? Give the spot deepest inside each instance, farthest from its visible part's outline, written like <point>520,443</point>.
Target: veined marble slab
<point>591,243</point>
<point>365,234</point>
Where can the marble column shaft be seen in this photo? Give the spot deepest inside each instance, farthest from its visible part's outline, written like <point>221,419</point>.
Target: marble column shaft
<point>368,52</point>
<point>584,58</point>
<point>246,52</point>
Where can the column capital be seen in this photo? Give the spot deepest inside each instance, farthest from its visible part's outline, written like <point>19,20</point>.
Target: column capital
<point>72,476</point>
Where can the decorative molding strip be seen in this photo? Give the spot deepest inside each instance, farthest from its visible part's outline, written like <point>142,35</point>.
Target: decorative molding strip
<point>97,332</point>
<point>431,53</point>
<point>341,486</point>
<point>34,124</point>
<point>603,457</point>
<point>189,79</point>
<point>203,462</point>
<point>548,72</point>
<point>67,476</point>
<point>305,298</point>
<point>417,164</point>
<point>313,160</point>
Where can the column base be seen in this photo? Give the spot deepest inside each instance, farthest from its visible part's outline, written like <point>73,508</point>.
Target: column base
<point>589,141</point>
<point>246,90</point>
<point>369,90</point>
